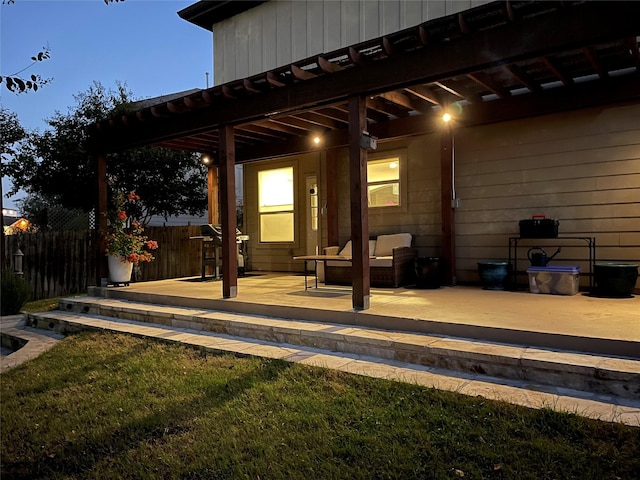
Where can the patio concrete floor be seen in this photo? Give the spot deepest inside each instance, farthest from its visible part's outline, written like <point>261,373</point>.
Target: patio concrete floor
<point>580,322</point>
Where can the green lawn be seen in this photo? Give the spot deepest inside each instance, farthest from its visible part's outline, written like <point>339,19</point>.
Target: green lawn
<point>105,405</point>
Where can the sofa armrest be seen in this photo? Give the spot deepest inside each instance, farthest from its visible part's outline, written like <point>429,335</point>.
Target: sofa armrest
<point>403,255</point>
<point>333,250</point>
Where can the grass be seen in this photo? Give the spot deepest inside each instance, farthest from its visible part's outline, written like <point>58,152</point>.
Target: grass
<point>104,405</point>
<point>45,305</point>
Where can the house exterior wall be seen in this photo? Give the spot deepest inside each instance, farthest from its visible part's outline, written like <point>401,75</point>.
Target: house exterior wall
<point>280,32</point>
<point>582,168</point>
<point>278,257</point>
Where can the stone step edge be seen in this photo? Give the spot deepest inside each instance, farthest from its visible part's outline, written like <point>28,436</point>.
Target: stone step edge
<point>599,407</point>
<point>193,318</point>
<point>614,347</point>
<point>535,368</point>
<point>34,343</point>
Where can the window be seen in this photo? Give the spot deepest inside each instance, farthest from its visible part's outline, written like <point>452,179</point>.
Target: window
<point>275,205</point>
<point>383,182</point>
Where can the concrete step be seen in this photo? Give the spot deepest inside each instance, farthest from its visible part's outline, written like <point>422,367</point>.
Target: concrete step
<point>21,343</point>
<point>589,373</point>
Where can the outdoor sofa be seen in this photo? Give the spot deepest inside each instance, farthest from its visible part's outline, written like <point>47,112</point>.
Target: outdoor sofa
<point>391,263</point>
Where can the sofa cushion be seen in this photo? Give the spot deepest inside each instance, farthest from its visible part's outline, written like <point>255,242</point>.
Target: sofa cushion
<point>337,263</point>
<point>381,262</point>
<point>373,262</point>
<point>386,243</point>
<point>347,252</point>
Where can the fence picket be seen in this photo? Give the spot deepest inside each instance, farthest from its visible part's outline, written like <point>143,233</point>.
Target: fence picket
<point>64,263</point>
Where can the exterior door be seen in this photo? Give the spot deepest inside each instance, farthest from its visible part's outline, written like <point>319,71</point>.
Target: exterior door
<point>312,219</point>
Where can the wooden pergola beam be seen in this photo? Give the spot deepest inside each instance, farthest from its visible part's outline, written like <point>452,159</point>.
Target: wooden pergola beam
<point>597,23</point>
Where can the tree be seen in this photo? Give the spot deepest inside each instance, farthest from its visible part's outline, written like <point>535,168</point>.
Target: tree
<point>11,134</point>
<point>58,166</point>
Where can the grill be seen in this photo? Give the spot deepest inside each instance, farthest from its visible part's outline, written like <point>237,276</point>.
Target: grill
<point>211,238</point>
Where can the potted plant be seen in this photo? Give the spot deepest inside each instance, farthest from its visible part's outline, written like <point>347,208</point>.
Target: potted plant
<point>126,243</point>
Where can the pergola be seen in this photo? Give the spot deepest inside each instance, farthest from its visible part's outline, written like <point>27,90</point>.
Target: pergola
<point>500,61</point>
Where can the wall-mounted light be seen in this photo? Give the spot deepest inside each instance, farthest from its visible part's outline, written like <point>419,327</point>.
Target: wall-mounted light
<point>206,160</point>
<point>446,118</point>
<point>316,140</point>
<point>368,141</point>
<point>17,262</point>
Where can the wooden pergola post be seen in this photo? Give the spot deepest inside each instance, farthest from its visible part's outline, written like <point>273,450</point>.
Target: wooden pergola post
<point>228,207</point>
<point>359,205</point>
<point>102,204</point>
<point>448,212</point>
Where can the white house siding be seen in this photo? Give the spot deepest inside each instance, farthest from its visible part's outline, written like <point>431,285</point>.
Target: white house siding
<point>280,32</point>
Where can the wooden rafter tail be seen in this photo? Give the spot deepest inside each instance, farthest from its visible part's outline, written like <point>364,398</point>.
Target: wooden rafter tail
<point>275,79</point>
<point>423,35</point>
<point>327,66</point>
<point>177,107</point>
<point>463,24</point>
<point>207,96</point>
<point>358,58</point>
<point>301,74</point>
<point>190,103</point>
<point>387,46</point>
<point>511,14</point>
<point>555,69</point>
<point>228,93</point>
<point>250,86</point>
<point>142,115</point>
<point>590,53</point>
<point>159,111</point>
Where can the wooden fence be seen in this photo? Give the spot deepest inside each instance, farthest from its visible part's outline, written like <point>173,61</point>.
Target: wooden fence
<point>63,263</point>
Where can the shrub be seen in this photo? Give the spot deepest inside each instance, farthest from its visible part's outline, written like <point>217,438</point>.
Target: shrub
<point>15,292</point>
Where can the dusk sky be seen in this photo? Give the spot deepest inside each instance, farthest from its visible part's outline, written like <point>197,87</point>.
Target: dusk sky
<point>143,43</point>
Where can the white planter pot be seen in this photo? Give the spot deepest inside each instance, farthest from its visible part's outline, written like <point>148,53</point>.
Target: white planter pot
<point>119,270</point>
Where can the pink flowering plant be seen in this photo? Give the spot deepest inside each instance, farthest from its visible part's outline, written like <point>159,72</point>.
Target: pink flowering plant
<point>125,237</point>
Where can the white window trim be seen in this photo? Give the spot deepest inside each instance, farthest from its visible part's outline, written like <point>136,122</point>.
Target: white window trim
<point>401,154</point>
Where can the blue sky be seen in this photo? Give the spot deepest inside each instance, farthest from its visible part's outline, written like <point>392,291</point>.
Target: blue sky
<point>143,43</point>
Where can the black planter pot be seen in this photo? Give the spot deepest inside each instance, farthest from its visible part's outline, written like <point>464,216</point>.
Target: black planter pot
<point>615,279</point>
<point>494,274</point>
<point>428,272</point>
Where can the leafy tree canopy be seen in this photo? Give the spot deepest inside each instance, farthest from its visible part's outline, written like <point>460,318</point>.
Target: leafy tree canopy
<point>57,166</point>
<point>11,132</point>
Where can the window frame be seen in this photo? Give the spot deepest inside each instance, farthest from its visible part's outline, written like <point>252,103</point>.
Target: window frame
<point>277,212</point>
<point>401,155</point>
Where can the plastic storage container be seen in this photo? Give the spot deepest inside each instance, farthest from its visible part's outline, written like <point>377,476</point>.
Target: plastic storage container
<point>556,280</point>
